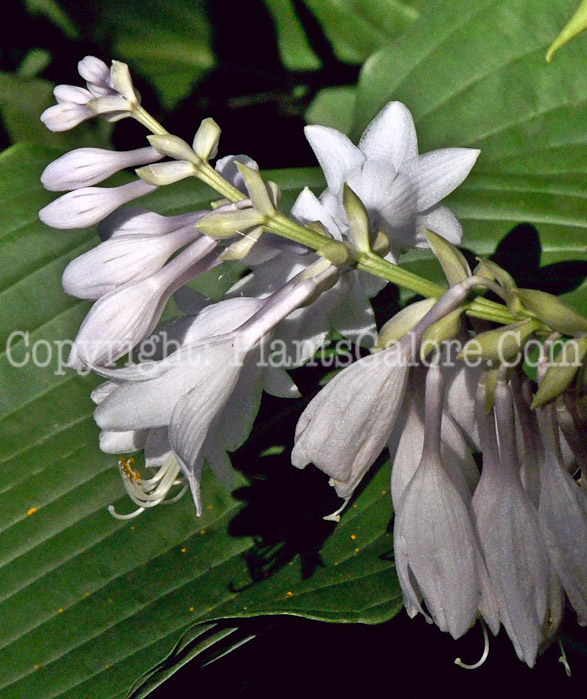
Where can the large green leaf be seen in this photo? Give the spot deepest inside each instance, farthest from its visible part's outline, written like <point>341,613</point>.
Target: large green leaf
<point>354,28</point>
<point>89,602</point>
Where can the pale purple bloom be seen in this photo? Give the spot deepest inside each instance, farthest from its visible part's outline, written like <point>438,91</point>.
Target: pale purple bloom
<point>121,260</point>
<point>123,317</point>
<point>86,206</point>
<point>562,513</point>
<point>207,392</point>
<point>102,97</point>
<point>400,189</point>
<point>436,551</point>
<point>526,589</point>
<point>85,167</point>
<point>136,220</point>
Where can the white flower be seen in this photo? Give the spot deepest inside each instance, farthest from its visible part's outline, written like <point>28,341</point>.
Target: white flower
<point>85,167</point>
<point>121,260</point>
<point>204,396</point>
<point>88,205</point>
<point>400,189</point>
<point>124,316</point>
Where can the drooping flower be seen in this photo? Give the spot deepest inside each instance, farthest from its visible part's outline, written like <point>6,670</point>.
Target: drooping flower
<point>436,551</point>
<point>526,589</point>
<point>400,189</point>
<point>206,394</point>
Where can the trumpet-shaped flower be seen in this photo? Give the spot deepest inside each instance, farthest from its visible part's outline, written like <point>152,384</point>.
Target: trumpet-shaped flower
<point>400,189</point>
<point>436,551</point>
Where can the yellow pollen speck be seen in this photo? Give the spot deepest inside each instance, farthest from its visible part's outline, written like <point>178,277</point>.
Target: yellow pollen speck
<point>36,667</point>
<point>384,492</point>
<point>353,536</point>
<point>202,531</point>
<point>60,610</point>
<point>357,550</point>
<point>192,609</point>
<point>32,511</point>
<point>87,594</point>
<point>111,601</point>
<point>127,469</point>
<point>355,507</point>
<point>133,527</point>
<point>184,549</point>
<point>289,594</point>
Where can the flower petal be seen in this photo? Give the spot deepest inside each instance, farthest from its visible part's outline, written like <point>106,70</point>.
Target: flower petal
<point>391,136</point>
<point>335,153</point>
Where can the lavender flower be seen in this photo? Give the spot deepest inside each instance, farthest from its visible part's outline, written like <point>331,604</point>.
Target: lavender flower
<point>400,189</point>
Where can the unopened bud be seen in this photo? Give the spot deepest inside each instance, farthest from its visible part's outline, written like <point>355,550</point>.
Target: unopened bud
<point>161,174</point>
<point>446,328</point>
<point>561,372</point>
<point>358,220</point>
<point>243,246</point>
<point>225,224</point>
<point>257,189</point>
<point>122,82</point>
<point>554,312</point>
<point>453,263</point>
<point>501,345</point>
<point>206,139</point>
<point>402,323</point>
<point>507,283</point>
<point>334,252</point>
<point>174,147</point>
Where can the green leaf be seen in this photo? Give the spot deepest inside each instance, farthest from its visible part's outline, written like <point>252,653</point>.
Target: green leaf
<point>576,25</point>
<point>354,28</point>
<point>89,602</point>
<point>168,43</point>
<point>23,99</point>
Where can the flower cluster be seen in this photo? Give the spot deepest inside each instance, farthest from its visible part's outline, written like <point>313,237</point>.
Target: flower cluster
<point>504,544</point>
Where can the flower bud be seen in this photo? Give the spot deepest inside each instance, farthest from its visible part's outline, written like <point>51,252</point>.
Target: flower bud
<point>453,263</point>
<point>161,174</point>
<point>358,219</point>
<point>502,344</point>
<point>554,312</point>
<point>561,372</point>
<point>206,139</point>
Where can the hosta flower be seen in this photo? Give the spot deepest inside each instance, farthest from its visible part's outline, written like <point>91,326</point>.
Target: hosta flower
<point>88,205</point>
<point>121,318</point>
<point>522,578</point>
<point>85,167</point>
<point>436,551</point>
<point>205,395</point>
<point>108,93</point>
<point>401,190</point>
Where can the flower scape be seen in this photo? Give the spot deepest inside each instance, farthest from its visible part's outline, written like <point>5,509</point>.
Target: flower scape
<point>500,538</point>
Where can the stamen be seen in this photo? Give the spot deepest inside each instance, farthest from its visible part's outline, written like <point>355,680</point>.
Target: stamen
<point>485,655</point>
<point>149,492</point>
<point>335,516</point>
<point>563,659</point>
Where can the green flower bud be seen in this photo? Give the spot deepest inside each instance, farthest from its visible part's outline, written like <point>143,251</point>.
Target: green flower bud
<point>453,263</point>
<point>554,312</point>
<point>225,224</point>
<point>501,345</point>
<point>174,147</point>
<point>562,371</point>
<point>358,219</point>
<point>206,139</point>
<point>335,252</point>
<point>122,82</point>
<point>505,280</point>
<point>257,190</point>
<point>402,323</point>
<point>161,174</point>
<point>243,246</point>
<point>446,328</point>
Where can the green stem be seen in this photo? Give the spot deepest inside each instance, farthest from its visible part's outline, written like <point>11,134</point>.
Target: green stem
<point>367,262</point>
